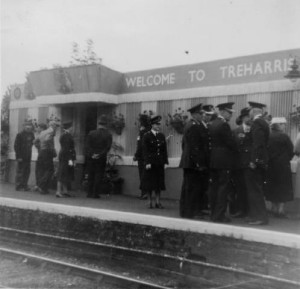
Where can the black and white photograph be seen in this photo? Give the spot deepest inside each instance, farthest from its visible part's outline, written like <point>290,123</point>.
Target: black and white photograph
<point>150,144</point>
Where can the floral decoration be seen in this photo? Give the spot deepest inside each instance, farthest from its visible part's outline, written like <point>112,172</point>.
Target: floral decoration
<point>117,123</point>
<point>53,118</point>
<point>295,115</point>
<point>145,116</point>
<point>178,120</point>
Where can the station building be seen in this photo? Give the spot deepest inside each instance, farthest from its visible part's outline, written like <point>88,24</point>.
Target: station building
<point>82,93</point>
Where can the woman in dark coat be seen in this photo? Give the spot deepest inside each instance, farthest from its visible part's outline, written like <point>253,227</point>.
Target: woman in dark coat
<point>66,158</point>
<point>155,158</point>
<point>279,188</point>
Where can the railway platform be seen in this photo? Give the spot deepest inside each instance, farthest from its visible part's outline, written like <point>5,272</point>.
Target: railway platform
<point>269,253</point>
<point>121,205</point>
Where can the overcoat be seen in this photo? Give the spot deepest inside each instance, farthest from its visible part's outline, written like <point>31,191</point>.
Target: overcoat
<point>155,149</point>
<point>223,145</point>
<point>260,132</point>
<point>23,145</point>
<point>279,176</point>
<point>155,153</point>
<point>67,153</point>
<point>98,142</point>
<point>139,150</point>
<point>244,146</point>
<point>195,146</point>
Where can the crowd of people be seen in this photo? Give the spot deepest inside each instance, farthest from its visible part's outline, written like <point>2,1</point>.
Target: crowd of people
<point>234,172</point>
<point>226,172</point>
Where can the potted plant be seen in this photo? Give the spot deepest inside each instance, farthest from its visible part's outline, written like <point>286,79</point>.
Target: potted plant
<point>178,120</point>
<point>113,183</point>
<point>117,123</point>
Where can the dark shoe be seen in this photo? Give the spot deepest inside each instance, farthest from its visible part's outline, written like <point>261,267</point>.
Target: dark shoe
<point>199,217</point>
<point>257,223</point>
<point>159,206</point>
<point>19,188</point>
<point>43,192</point>
<point>224,220</point>
<point>238,215</point>
<point>282,215</point>
<point>59,195</point>
<point>67,195</point>
<point>150,206</point>
<point>26,189</point>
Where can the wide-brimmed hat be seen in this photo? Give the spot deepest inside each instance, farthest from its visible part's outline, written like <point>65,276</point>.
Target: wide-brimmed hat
<point>103,119</point>
<point>278,120</point>
<point>155,119</point>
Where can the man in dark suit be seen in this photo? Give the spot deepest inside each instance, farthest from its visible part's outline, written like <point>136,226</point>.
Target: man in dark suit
<point>23,148</point>
<point>239,203</point>
<point>145,126</point>
<point>97,146</point>
<point>195,164</point>
<point>221,162</point>
<point>66,161</point>
<point>155,158</point>
<point>255,175</point>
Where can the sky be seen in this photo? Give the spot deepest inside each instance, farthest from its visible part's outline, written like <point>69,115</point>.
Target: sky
<point>132,35</point>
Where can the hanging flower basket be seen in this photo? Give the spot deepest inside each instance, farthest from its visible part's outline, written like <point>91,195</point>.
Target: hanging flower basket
<point>177,121</point>
<point>295,115</point>
<point>178,126</point>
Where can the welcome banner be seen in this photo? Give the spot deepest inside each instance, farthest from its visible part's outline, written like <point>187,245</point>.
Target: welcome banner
<point>254,68</point>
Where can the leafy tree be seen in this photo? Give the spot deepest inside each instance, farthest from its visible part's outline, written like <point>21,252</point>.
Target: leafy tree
<point>5,110</point>
<point>87,56</point>
<point>4,132</point>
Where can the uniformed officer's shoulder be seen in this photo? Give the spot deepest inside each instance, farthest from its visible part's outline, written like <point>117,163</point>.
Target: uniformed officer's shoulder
<point>147,133</point>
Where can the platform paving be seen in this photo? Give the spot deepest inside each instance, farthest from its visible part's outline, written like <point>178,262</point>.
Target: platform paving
<point>124,203</point>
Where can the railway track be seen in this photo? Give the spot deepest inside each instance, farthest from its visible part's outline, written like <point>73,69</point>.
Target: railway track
<point>98,276</point>
<point>129,268</point>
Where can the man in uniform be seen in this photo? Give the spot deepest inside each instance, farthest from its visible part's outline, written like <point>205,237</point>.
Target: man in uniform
<point>195,164</point>
<point>98,145</point>
<point>155,158</point>
<point>23,148</point>
<point>138,156</point>
<point>255,175</point>
<point>221,162</point>
<point>209,112</point>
